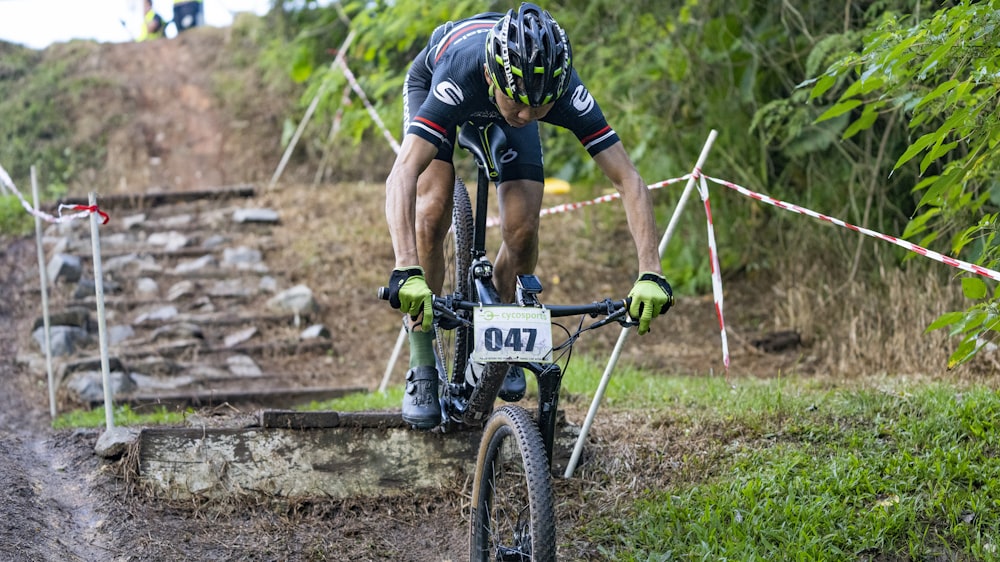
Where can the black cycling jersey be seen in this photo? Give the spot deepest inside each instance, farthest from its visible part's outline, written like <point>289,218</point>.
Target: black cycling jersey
<point>446,87</point>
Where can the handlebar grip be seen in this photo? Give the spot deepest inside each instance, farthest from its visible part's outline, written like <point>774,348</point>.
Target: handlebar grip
<point>383,293</point>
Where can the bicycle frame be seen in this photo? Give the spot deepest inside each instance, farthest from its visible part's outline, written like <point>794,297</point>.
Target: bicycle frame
<point>469,403</point>
<point>474,401</point>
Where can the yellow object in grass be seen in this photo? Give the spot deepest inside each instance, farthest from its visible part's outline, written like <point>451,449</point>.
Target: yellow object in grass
<point>556,186</point>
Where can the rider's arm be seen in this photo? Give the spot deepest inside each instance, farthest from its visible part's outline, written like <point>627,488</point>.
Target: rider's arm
<point>617,166</point>
<point>401,197</point>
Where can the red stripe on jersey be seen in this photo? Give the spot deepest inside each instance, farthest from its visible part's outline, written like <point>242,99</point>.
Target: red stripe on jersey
<point>431,124</point>
<point>589,138</point>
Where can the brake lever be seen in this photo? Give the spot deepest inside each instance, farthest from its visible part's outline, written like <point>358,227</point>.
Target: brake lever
<point>443,311</point>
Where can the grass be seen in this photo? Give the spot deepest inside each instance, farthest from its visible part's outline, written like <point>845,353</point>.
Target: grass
<point>846,474</point>
<point>803,469</point>
<point>123,416</point>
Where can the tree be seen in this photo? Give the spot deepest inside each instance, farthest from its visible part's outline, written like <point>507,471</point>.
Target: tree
<point>942,75</point>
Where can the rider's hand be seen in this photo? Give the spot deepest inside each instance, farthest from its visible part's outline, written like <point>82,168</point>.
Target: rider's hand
<point>651,296</point>
<point>409,292</point>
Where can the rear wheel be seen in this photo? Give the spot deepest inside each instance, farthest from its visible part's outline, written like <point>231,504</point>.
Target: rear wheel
<point>513,514</point>
<point>454,346</point>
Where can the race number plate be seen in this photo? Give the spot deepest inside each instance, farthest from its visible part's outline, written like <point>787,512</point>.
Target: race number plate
<point>512,333</point>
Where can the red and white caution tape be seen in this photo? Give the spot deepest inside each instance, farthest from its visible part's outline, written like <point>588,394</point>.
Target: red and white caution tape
<point>947,260</point>
<point>713,258</point>
<point>85,210</point>
<point>566,207</point>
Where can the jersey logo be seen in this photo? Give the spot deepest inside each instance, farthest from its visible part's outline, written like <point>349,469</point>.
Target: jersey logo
<point>448,93</point>
<point>582,100</point>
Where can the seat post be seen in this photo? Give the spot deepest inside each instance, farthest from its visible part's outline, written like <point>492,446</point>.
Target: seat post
<point>482,195</point>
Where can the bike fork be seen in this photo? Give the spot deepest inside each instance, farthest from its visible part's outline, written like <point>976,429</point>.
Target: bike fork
<point>549,377</point>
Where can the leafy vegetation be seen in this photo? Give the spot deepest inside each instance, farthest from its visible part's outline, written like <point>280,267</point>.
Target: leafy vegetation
<point>13,219</point>
<point>37,92</point>
<point>941,75</point>
<point>875,113</point>
<point>703,67</point>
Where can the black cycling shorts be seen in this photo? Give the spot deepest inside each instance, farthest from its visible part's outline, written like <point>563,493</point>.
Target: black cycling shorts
<point>523,157</point>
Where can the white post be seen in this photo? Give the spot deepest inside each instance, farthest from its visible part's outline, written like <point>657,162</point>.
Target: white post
<point>102,332</point>
<point>309,111</point>
<point>606,377</point>
<point>392,360</point>
<point>44,282</point>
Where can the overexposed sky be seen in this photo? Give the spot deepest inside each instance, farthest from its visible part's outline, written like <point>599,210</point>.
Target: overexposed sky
<point>39,23</point>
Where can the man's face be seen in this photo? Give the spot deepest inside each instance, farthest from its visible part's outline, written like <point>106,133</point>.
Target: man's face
<point>515,113</point>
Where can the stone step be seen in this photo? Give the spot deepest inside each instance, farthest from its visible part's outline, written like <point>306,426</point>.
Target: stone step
<point>294,455</point>
<point>206,397</point>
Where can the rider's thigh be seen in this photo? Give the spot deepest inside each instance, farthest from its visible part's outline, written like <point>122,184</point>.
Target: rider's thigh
<point>520,204</point>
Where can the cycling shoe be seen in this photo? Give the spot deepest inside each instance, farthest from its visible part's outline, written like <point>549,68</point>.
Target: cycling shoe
<point>421,408</point>
<point>513,386</point>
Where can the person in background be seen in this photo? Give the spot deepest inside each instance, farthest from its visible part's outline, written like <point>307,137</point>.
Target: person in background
<point>153,26</point>
<point>188,14</point>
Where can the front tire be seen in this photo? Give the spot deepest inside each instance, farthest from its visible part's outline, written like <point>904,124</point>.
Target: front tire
<point>513,504</point>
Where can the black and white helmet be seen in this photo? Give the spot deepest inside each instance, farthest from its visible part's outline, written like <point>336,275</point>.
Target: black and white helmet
<point>528,56</point>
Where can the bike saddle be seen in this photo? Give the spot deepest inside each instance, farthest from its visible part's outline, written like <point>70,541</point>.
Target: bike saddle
<point>486,143</point>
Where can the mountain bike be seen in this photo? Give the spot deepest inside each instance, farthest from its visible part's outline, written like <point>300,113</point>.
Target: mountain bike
<point>478,339</point>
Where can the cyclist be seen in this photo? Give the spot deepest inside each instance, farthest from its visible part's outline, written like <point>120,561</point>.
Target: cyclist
<point>512,69</point>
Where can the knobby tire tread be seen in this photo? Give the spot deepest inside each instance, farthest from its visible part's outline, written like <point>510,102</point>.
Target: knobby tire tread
<point>460,341</point>
<point>512,422</point>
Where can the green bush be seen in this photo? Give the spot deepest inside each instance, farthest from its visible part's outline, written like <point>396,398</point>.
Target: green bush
<point>14,220</point>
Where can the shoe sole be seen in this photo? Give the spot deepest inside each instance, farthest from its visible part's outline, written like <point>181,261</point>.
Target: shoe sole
<point>421,423</point>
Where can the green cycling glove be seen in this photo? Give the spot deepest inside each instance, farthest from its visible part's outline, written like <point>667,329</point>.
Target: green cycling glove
<point>651,296</point>
<point>408,291</point>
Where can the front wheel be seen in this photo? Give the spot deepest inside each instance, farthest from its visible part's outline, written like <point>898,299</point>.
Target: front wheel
<point>513,514</point>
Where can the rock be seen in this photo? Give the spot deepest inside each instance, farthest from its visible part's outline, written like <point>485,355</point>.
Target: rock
<point>148,382</point>
<point>243,366</point>
<point>64,267</point>
<point>133,221</point>
<point>198,264</point>
<point>171,240</point>
<point>160,314</point>
<point>76,316</point>
<point>315,331</point>
<point>87,288</point>
<point>213,241</point>
<point>265,216</point>
<point>234,339</point>
<point>147,286</point>
<point>268,284</point>
<point>181,289</point>
<point>297,300</point>
<point>89,364</point>
<point>241,257</point>
<point>113,442</point>
<point>87,387</point>
<point>64,340</point>
<point>118,334</point>
<point>131,264</point>
<point>230,288</point>
<point>178,331</point>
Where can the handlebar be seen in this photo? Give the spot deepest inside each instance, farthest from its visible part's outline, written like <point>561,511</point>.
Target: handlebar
<point>612,309</point>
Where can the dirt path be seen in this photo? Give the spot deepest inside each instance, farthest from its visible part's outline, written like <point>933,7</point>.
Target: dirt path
<point>49,509</point>
<point>60,502</point>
